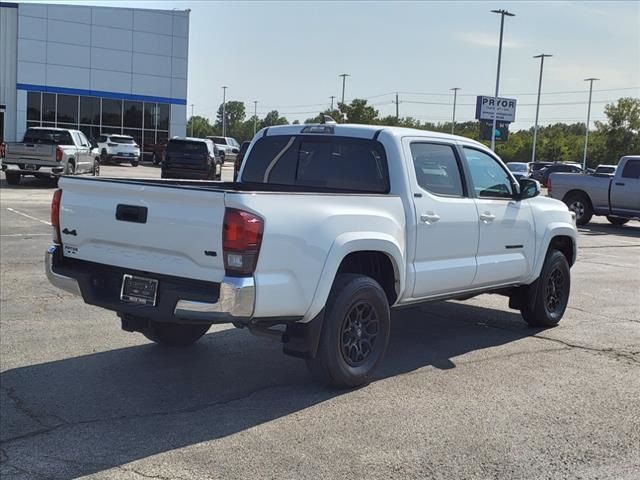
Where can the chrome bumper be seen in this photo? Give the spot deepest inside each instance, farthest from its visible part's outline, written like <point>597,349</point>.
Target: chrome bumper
<point>67,284</point>
<point>236,301</point>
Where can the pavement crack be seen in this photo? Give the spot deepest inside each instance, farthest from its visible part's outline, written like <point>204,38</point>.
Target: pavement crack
<point>145,475</point>
<point>606,351</point>
<point>22,407</point>
<point>191,409</point>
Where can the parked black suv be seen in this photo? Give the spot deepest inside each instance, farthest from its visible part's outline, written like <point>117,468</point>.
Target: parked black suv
<point>191,158</point>
<point>239,157</point>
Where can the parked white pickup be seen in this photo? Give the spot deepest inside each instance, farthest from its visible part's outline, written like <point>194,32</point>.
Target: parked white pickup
<point>328,228</point>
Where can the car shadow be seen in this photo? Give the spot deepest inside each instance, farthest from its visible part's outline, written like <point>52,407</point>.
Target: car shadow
<point>29,182</point>
<point>82,415</point>
<point>630,229</point>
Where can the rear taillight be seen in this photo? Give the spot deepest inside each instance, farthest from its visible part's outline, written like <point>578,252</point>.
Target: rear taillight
<point>58,154</point>
<point>55,216</point>
<point>241,240</point>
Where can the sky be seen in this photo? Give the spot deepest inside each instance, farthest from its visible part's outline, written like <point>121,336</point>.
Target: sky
<point>287,55</point>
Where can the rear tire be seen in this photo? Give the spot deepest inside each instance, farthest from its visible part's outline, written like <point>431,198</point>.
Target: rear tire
<point>70,169</point>
<point>580,204</point>
<point>617,220</point>
<point>548,296</point>
<point>135,163</point>
<point>174,334</point>
<point>355,333</point>
<point>96,167</point>
<point>13,178</point>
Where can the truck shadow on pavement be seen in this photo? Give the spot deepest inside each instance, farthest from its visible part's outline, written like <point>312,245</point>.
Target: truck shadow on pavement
<point>29,182</point>
<point>82,415</point>
<point>631,229</point>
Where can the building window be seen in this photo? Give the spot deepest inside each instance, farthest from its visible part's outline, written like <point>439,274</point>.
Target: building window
<point>34,106</point>
<point>49,108</point>
<point>67,110</point>
<point>132,114</point>
<point>163,116</point>
<point>90,110</point>
<point>111,112</point>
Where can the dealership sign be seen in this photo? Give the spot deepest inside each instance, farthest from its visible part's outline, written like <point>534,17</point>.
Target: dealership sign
<point>486,108</point>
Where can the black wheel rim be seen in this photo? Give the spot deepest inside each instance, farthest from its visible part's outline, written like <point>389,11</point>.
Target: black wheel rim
<point>556,291</point>
<point>359,333</point>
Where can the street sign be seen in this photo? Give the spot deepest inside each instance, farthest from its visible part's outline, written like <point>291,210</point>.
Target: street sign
<point>502,130</point>
<point>485,108</point>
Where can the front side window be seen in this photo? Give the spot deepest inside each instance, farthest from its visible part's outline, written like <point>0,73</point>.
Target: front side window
<point>437,169</point>
<point>631,169</point>
<point>488,177</point>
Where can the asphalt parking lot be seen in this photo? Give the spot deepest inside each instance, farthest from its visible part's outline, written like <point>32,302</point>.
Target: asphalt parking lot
<point>467,390</point>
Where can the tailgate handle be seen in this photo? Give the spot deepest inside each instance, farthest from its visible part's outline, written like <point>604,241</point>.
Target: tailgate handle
<point>131,213</point>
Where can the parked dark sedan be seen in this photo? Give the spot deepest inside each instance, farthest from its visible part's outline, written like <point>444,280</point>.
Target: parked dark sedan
<point>542,175</point>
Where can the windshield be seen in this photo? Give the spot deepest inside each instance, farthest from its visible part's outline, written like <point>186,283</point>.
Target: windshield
<point>219,140</point>
<point>517,167</point>
<point>125,140</point>
<point>186,146</point>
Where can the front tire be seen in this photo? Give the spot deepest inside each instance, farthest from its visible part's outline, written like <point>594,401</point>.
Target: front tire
<point>580,204</point>
<point>70,169</point>
<point>548,296</point>
<point>618,221</point>
<point>13,178</point>
<point>355,333</point>
<point>174,334</point>
<point>96,167</point>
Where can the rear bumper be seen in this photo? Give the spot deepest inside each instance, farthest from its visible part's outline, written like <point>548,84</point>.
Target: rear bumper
<point>186,173</point>
<point>179,299</point>
<point>42,171</point>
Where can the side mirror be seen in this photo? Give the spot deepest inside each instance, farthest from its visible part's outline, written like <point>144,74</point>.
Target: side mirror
<point>234,150</point>
<point>528,188</point>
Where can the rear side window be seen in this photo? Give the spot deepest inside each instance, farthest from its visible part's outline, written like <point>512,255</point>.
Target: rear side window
<point>185,146</point>
<point>437,169</point>
<point>48,137</point>
<point>631,169</point>
<point>323,161</point>
<point>123,140</point>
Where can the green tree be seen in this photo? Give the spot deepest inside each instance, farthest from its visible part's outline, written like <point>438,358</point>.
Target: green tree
<point>622,130</point>
<point>273,118</point>
<point>198,126</point>
<point>358,112</point>
<point>235,114</point>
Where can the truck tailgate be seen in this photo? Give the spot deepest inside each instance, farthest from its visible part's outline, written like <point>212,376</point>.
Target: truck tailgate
<point>152,228</point>
<point>31,153</point>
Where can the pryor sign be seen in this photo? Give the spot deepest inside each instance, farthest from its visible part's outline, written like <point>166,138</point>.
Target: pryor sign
<point>485,107</point>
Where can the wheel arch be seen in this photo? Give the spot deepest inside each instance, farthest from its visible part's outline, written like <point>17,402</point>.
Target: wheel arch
<point>577,191</point>
<point>377,256</point>
<point>559,237</point>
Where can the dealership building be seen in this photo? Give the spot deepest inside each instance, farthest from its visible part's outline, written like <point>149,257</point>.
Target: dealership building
<point>96,69</point>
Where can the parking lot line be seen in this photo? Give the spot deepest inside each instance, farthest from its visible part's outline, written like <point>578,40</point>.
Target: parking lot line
<point>25,235</point>
<point>28,216</point>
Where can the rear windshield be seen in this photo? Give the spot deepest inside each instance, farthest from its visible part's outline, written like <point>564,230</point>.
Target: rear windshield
<point>219,140</point>
<point>48,137</point>
<point>323,161</point>
<point>126,140</point>
<point>517,167</point>
<point>186,146</point>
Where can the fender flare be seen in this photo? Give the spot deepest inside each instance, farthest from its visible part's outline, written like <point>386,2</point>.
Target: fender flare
<point>552,230</point>
<point>355,242</point>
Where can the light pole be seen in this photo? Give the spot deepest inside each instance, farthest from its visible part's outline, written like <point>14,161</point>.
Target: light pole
<point>192,119</point>
<point>535,128</point>
<point>255,116</point>
<point>332,97</point>
<point>344,77</point>
<point>224,107</point>
<point>455,96</point>
<point>586,136</point>
<point>495,100</point>
<point>397,102</point>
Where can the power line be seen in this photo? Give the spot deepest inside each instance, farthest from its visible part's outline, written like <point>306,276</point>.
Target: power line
<point>527,93</point>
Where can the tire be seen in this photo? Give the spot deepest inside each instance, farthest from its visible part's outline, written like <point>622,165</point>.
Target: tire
<point>13,178</point>
<point>163,174</point>
<point>580,204</point>
<point>218,169</point>
<point>96,167</point>
<point>174,334</point>
<point>617,220</point>
<point>548,296</point>
<point>154,158</point>
<point>356,316</point>
<point>70,169</point>
<point>135,163</point>
<point>103,156</point>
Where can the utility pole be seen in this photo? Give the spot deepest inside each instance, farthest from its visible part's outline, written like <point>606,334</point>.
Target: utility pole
<point>453,120</point>
<point>332,97</point>
<point>397,102</point>
<point>255,116</point>
<point>192,119</point>
<point>344,77</point>
<point>224,113</point>
<point>535,127</point>
<point>495,100</point>
<point>586,136</point>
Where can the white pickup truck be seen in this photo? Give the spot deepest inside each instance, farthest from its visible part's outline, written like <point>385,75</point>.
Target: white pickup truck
<point>49,152</point>
<point>328,228</point>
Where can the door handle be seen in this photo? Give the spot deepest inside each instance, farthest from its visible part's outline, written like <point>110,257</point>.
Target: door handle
<point>620,184</point>
<point>429,217</point>
<point>487,217</point>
